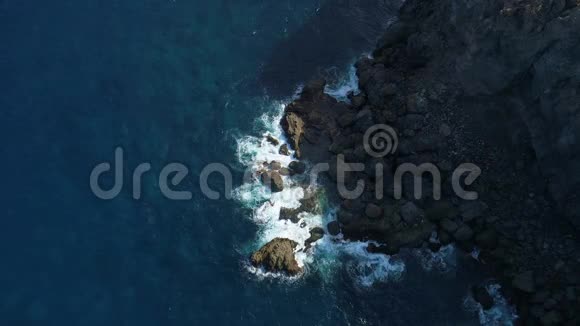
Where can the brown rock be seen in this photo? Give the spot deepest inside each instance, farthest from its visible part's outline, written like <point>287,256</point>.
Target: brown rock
<point>293,126</point>
<point>273,180</point>
<point>277,256</point>
<point>272,140</point>
<point>373,211</point>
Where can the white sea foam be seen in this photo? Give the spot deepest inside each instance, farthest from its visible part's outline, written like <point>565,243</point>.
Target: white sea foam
<point>501,314</point>
<point>368,268</point>
<point>344,86</point>
<point>443,261</point>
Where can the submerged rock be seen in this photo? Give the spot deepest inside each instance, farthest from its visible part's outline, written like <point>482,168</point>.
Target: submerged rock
<point>275,165</point>
<point>333,228</point>
<point>373,211</point>
<point>277,256</point>
<point>482,296</point>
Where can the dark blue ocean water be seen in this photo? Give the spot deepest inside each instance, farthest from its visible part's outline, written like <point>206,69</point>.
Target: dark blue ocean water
<point>168,81</point>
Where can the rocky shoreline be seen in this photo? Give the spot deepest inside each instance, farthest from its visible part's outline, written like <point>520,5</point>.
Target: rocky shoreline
<point>494,83</point>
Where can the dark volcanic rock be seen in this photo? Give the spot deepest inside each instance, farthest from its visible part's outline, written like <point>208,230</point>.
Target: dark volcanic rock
<point>297,167</point>
<point>272,140</point>
<point>316,234</point>
<point>373,211</point>
<point>277,256</point>
<point>448,225</point>
<point>333,228</point>
<point>284,150</point>
<point>440,210</point>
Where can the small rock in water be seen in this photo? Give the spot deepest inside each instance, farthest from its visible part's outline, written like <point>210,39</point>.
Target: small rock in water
<point>386,250</point>
<point>272,140</point>
<point>275,165</point>
<point>390,90</point>
<point>284,150</point>
<point>316,234</point>
<point>472,210</point>
<point>487,239</point>
<point>448,225</point>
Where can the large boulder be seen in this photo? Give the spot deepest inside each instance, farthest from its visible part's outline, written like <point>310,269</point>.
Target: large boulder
<point>284,150</point>
<point>277,256</point>
<point>293,126</point>
<point>410,213</point>
<point>273,180</point>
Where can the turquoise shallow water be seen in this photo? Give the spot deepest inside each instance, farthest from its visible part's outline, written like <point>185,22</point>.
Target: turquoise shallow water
<point>169,81</point>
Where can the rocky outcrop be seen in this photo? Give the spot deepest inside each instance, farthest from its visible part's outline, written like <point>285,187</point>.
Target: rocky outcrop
<point>277,256</point>
<point>494,83</point>
<point>293,126</point>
